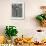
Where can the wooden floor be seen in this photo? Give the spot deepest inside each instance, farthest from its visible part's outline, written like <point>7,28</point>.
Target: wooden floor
<point>30,45</point>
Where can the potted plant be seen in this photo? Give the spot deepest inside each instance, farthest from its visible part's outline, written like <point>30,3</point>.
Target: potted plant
<point>10,31</point>
<point>42,17</point>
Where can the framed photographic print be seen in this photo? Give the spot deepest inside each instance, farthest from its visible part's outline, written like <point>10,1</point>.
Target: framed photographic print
<point>18,10</point>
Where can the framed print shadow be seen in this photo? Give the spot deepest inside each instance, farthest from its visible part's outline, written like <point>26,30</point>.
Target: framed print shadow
<point>18,10</point>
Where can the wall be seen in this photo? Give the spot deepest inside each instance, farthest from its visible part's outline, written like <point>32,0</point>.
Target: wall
<point>26,26</point>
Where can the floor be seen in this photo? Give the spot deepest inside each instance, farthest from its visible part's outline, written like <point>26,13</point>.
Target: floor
<point>30,45</point>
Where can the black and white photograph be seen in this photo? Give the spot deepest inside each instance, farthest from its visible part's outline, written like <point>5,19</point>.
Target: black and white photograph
<point>18,11</point>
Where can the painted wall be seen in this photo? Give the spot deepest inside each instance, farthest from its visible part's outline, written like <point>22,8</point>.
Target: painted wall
<point>27,26</point>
